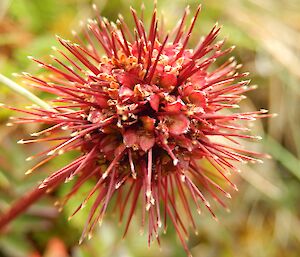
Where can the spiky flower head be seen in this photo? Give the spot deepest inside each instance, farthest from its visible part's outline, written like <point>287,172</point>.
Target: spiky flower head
<point>150,118</point>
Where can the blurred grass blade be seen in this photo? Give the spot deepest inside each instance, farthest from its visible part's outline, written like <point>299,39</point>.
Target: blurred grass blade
<point>24,92</point>
<point>288,160</point>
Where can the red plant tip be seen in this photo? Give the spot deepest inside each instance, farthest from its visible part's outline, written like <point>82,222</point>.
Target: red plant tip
<point>150,119</point>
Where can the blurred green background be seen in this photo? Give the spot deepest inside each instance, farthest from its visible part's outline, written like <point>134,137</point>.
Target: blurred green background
<point>265,214</point>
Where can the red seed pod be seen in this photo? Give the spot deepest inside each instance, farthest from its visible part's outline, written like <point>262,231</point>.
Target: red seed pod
<point>145,118</point>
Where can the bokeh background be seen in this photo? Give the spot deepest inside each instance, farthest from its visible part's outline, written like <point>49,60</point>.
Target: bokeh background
<point>265,213</point>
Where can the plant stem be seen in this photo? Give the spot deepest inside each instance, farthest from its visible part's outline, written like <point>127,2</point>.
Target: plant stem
<point>31,197</point>
<point>20,206</point>
<point>24,92</point>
